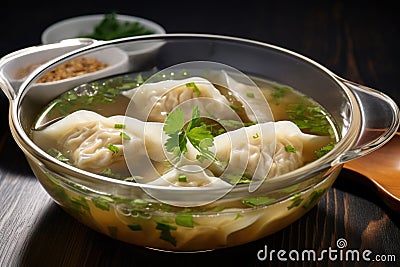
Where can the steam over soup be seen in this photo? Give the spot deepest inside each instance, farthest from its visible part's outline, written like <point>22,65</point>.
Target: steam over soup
<point>190,121</point>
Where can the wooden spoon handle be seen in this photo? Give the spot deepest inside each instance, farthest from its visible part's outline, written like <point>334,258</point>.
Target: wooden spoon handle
<point>382,168</point>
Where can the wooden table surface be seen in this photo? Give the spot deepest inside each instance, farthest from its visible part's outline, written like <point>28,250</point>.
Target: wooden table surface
<point>356,40</point>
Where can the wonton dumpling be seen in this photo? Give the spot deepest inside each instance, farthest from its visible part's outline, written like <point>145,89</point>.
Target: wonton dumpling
<point>289,134</point>
<point>153,101</point>
<point>85,138</point>
<point>258,151</point>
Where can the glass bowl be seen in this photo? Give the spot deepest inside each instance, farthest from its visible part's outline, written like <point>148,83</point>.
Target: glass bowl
<point>130,212</point>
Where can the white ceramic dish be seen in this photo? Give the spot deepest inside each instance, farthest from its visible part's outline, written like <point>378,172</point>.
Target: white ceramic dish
<point>115,58</point>
<point>82,25</point>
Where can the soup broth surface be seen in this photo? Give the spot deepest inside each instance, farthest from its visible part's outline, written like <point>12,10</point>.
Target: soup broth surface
<point>106,98</point>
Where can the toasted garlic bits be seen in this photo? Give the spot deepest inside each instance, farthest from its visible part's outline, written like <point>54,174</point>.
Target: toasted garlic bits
<point>73,68</point>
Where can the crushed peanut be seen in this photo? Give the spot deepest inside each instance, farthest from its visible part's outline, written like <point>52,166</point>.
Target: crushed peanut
<point>73,68</point>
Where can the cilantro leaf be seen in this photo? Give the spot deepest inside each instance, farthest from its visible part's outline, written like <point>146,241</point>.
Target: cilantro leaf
<point>174,122</point>
<point>111,28</point>
<point>309,118</point>
<point>176,144</point>
<point>195,121</point>
<point>166,232</point>
<point>200,135</point>
<point>196,133</point>
<point>325,149</point>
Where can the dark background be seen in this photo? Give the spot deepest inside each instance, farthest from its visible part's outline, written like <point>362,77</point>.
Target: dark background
<point>337,34</point>
<point>357,40</point>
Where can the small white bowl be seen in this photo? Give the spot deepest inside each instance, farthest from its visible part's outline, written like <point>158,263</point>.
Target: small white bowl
<point>116,59</point>
<point>83,25</point>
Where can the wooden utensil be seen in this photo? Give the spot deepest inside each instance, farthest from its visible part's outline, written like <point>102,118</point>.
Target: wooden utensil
<point>382,168</point>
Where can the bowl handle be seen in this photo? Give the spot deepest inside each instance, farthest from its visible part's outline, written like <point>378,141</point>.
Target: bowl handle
<point>380,121</point>
<point>10,85</point>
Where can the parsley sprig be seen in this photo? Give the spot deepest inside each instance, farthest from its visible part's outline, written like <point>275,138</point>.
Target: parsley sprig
<point>196,132</point>
<point>110,28</point>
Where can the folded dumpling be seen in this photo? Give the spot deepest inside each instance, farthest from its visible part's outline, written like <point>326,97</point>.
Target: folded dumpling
<point>154,101</point>
<point>103,144</point>
<point>261,151</point>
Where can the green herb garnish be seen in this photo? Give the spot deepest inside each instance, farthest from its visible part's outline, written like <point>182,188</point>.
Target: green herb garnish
<point>109,173</point>
<point>257,201</point>
<point>166,232</point>
<point>296,201</point>
<point>325,149</point>
<point>313,198</point>
<point>234,107</point>
<point>114,149</point>
<point>87,96</point>
<point>182,179</point>
<point>110,28</point>
<point>309,118</point>
<point>102,202</point>
<point>194,87</point>
<point>196,133</point>
<point>119,126</point>
<point>279,92</point>
<point>238,216</point>
<point>80,204</point>
<point>290,148</point>
<point>185,220</point>
<point>58,155</point>
<point>250,94</point>
<point>125,136</point>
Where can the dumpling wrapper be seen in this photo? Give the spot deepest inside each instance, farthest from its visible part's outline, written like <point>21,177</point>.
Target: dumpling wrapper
<point>154,101</point>
<point>258,151</point>
<point>84,136</point>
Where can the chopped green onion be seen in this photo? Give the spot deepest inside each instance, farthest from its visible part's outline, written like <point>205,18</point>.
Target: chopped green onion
<point>234,107</point>
<point>119,126</point>
<point>194,87</point>
<point>182,178</point>
<point>125,136</point>
<point>250,94</point>
<point>114,149</point>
